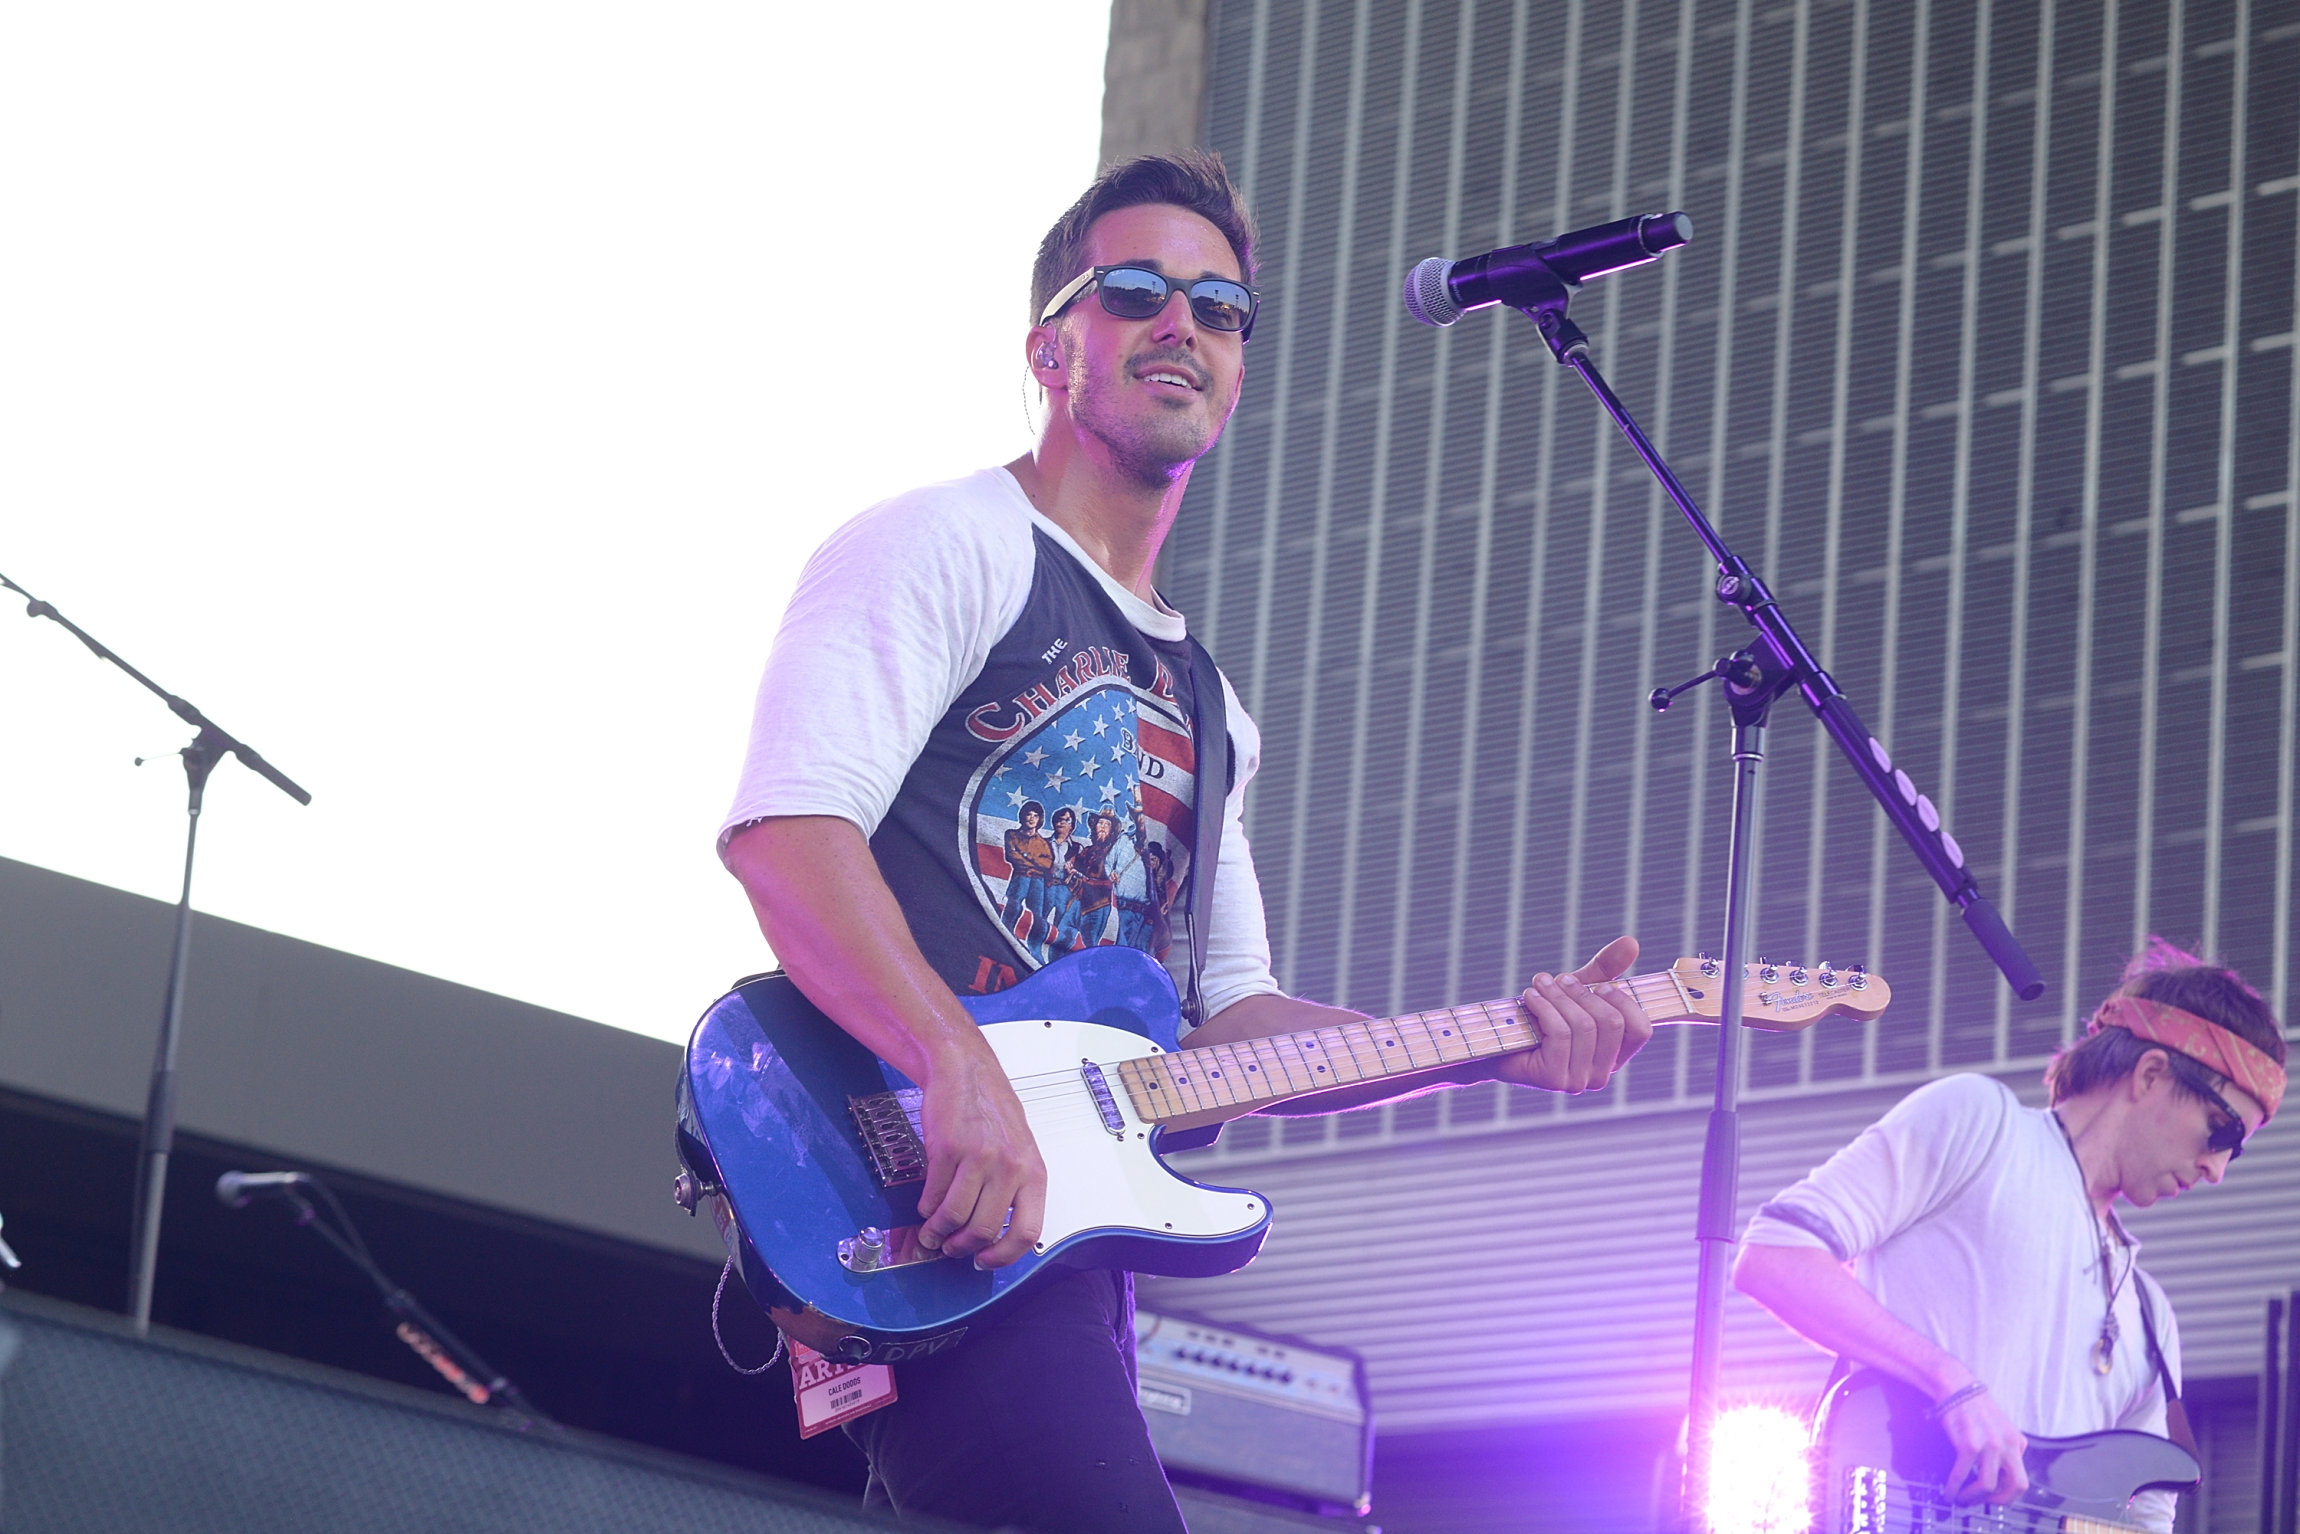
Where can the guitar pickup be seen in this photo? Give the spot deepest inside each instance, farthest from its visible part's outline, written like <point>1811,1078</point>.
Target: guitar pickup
<point>872,1250</point>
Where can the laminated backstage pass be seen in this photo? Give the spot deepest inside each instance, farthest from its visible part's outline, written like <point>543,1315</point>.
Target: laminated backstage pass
<point>830,1393</point>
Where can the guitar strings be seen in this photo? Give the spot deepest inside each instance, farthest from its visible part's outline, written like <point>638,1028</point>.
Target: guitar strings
<point>1469,1018</point>
<point>1480,1031</point>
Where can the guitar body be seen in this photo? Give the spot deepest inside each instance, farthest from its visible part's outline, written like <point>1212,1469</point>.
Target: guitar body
<point>766,1126</point>
<point>1882,1461</point>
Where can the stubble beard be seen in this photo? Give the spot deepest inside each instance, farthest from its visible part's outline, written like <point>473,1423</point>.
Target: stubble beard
<point>1153,447</point>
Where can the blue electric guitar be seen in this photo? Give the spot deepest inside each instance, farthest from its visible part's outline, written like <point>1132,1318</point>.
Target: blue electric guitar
<point>807,1147</point>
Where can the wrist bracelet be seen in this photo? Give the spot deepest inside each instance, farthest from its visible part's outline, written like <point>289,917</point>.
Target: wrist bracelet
<point>1955,1399</point>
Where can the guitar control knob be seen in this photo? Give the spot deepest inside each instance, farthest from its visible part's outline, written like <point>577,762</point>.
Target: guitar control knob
<point>863,1252</point>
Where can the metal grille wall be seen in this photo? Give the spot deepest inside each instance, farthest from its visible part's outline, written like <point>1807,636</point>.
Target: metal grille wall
<point>1547,1272</point>
<point>1983,354</point>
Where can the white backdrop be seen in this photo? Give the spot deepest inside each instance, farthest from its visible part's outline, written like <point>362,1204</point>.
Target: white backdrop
<point>444,398</point>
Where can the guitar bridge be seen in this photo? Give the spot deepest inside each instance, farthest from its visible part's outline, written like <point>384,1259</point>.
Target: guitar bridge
<point>1865,1506</point>
<point>889,1125</point>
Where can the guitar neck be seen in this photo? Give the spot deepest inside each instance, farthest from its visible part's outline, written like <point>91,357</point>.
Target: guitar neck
<point>1255,1072</point>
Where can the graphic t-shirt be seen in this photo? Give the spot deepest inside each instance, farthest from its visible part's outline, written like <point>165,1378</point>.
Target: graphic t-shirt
<point>1011,728</point>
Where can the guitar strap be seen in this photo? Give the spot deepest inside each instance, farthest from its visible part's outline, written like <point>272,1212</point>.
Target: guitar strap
<point>2175,1414</point>
<point>1210,744</point>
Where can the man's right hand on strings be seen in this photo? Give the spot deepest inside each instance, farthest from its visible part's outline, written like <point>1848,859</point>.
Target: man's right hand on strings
<point>1815,1294</point>
<point>1989,1449</point>
<point>831,919</point>
<point>985,1194</point>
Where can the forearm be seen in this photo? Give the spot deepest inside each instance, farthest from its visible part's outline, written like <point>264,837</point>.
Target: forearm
<point>833,923</point>
<point>1812,1294</point>
<point>841,936</point>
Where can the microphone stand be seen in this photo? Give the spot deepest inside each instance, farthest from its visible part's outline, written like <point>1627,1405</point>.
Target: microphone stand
<point>473,1377</point>
<point>208,747</point>
<point>1774,663</point>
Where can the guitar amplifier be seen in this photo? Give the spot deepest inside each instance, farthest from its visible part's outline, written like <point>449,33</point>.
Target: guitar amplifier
<point>1229,1406</point>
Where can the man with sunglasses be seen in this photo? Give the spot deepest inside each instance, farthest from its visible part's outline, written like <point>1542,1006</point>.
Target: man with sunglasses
<point>967,651</point>
<point>1988,1268</point>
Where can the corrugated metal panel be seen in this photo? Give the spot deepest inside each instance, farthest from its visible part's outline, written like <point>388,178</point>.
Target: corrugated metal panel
<point>1983,357</point>
<point>1547,1272</point>
<point>2032,493</point>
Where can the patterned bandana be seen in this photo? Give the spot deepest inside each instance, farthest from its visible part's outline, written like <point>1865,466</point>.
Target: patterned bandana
<point>2207,1043</point>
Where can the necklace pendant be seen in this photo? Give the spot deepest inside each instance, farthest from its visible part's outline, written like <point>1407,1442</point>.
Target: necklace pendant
<point>2104,1352</point>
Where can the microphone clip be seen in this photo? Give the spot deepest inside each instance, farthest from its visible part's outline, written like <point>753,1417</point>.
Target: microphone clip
<point>1566,339</point>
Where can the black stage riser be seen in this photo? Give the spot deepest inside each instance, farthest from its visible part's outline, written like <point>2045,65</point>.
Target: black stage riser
<point>101,1433</point>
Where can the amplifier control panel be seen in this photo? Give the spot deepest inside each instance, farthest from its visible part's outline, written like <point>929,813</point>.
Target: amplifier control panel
<point>1171,1349</point>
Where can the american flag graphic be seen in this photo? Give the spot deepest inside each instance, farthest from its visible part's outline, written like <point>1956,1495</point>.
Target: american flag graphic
<point>1081,827</point>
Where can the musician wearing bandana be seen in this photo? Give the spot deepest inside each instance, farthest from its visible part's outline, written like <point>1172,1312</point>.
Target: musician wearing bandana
<point>1968,1246</point>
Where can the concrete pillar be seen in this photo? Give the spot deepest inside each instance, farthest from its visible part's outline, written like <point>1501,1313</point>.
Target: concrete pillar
<point>1154,78</point>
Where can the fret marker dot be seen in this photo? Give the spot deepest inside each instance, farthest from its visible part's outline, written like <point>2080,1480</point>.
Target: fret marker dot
<point>1321,1070</point>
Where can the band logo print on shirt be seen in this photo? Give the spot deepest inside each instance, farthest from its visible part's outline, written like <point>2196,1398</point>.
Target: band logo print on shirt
<point>1081,825</point>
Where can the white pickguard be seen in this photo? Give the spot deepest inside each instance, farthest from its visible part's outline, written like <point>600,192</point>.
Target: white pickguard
<point>1096,1181</point>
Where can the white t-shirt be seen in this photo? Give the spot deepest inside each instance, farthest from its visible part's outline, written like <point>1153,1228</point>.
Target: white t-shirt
<point>1965,1214</point>
<point>894,616</point>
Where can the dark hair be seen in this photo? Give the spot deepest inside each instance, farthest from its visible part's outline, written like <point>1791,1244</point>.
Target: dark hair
<point>1194,179</point>
<point>2166,974</point>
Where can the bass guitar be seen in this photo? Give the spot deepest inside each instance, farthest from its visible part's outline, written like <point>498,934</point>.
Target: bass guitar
<point>1882,1462</point>
<point>807,1147</point>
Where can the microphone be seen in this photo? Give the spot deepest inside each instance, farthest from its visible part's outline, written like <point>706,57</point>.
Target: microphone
<point>1439,291</point>
<point>235,1189</point>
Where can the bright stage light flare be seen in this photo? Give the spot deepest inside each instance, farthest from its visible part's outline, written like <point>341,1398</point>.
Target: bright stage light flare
<point>1760,1476</point>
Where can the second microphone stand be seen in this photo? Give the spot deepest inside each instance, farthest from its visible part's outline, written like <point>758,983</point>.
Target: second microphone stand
<point>208,747</point>
<point>1774,663</point>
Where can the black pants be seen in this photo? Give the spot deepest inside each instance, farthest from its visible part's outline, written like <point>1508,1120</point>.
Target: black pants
<point>1031,1423</point>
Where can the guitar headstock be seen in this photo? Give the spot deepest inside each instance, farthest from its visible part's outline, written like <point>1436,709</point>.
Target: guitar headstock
<point>1782,998</point>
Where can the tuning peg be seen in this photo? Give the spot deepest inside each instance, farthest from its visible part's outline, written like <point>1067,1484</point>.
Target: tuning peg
<point>1708,965</point>
<point>1858,977</point>
<point>1797,975</point>
<point>1767,970</point>
<point>1828,975</point>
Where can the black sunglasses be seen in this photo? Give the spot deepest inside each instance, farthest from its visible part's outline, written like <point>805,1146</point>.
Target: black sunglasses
<point>2227,1137</point>
<point>1137,293</point>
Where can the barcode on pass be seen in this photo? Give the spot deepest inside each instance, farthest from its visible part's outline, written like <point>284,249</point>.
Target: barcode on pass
<point>831,1393</point>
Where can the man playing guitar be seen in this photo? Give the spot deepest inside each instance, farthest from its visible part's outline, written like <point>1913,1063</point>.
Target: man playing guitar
<point>960,656</point>
<point>1988,1269</point>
